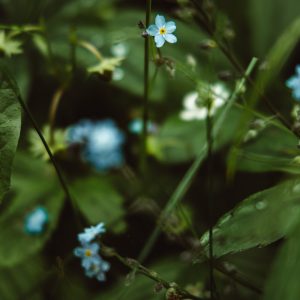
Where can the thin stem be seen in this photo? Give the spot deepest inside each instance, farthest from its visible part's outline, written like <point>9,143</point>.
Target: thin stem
<point>209,141</point>
<point>91,48</point>
<point>135,266</point>
<point>53,161</point>
<point>53,111</point>
<point>143,158</point>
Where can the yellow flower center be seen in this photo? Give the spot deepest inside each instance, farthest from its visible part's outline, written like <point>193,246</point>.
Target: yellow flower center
<point>162,30</point>
<point>88,253</point>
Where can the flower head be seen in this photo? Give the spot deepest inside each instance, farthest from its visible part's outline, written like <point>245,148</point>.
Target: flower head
<point>36,221</point>
<point>101,143</point>
<point>162,31</point>
<point>294,84</point>
<point>98,269</point>
<point>195,107</point>
<point>91,233</point>
<point>88,253</point>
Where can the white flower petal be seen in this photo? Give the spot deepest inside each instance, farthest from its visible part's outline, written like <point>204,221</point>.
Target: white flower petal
<point>152,30</point>
<point>159,40</point>
<point>171,38</point>
<point>190,101</point>
<point>170,26</point>
<point>160,21</point>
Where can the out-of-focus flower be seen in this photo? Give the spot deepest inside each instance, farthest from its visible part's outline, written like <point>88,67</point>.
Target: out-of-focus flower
<point>136,126</point>
<point>118,74</point>
<point>162,31</point>
<point>101,143</point>
<point>88,254</point>
<point>196,108</point>
<point>91,233</point>
<point>36,221</point>
<point>294,84</point>
<point>120,49</point>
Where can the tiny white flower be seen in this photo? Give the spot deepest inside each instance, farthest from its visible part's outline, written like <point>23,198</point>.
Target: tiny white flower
<point>194,110</point>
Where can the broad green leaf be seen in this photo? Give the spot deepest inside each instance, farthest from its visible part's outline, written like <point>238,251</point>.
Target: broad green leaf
<point>283,282</point>
<point>33,183</point>
<point>272,150</point>
<point>99,202</point>
<point>10,124</point>
<point>262,15</point>
<point>21,281</point>
<point>257,221</point>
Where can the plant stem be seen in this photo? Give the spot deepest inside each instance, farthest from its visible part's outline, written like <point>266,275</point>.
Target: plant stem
<point>138,268</point>
<point>53,110</point>
<point>143,157</point>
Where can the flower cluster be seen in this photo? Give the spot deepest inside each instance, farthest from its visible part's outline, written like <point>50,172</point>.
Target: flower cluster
<point>36,221</point>
<point>294,84</point>
<point>101,143</point>
<point>195,108</point>
<point>162,31</point>
<point>91,261</point>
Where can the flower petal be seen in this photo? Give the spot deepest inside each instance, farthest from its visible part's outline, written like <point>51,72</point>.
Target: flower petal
<point>159,40</point>
<point>160,21</point>
<point>152,30</point>
<point>170,26</point>
<point>171,38</point>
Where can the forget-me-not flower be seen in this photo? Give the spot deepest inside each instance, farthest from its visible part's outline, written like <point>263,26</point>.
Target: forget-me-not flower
<point>101,143</point>
<point>36,221</point>
<point>294,84</point>
<point>98,269</point>
<point>88,254</point>
<point>162,31</point>
<point>91,260</point>
<point>91,233</point>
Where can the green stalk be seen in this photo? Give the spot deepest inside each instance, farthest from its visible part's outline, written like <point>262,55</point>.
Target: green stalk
<point>143,157</point>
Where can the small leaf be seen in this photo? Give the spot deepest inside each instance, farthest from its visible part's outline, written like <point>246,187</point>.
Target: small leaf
<point>106,65</point>
<point>258,221</point>
<point>9,46</point>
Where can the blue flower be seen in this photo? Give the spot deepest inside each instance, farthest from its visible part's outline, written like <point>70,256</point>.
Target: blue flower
<point>88,253</point>
<point>136,126</point>
<point>101,143</point>
<point>36,221</point>
<point>98,269</point>
<point>91,233</point>
<point>294,84</point>
<point>162,31</point>
<point>78,133</point>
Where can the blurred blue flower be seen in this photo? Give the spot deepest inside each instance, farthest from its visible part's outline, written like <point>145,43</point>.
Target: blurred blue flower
<point>36,221</point>
<point>101,143</point>
<point>79,132</point>
<point>162,31</point>
<point>294,84</point>
<point>98,269</point>
<point>136,126</point>
<point>91,233</point>
<point>88,254</point>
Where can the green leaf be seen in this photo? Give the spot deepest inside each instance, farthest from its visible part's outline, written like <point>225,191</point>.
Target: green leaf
<point>258,221</point>
<point>33,183</point>
<point>283,282</point>
<point>272,150</point>
<point>262,16</point>
<point>99,201</point>
<point>106,65</point>
<point>8,45</point>
<point>20,282</point>
<point>10,124</point>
